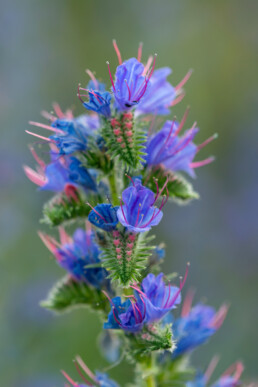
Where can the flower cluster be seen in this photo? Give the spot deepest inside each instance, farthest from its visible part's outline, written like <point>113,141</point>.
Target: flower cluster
<point>116,167</point>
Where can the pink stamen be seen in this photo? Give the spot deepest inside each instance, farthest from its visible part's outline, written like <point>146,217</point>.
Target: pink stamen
<point>180,287</point>
<point>138,214</point>
<point>110,76</point>
<point>48,242</point>
<point>70,380</point>
<point>238,368</point>
<point>187,305</point>
<point>139,56</point>
<point>162,189</point>
<point>118,54</point>
<point>129,91</point>
<point>211,368</point>
<point>182,145</point>
<point>219,317</point>
<point>37,135</point>
<point>134,312</point>
<point>182,122</point>
<point>36,157</point>
<point>123,211</point>
<point>48,127</point>
<point>86,369</point>
<point>207,141</point>
<point>178,99</point>
<point>71,192</point>
<point>157,188</point>
<point>92,77</point>
<point>64,237</point>
<point>197,164</point>
<point>58,110</point>
<point>113,307</point>
<point>130,178</point>
<point>34,176</point>
<point>96,212</point>
<point>169,292</point>
<point>81,374</point>
<point>48,116</point>
<point>79,93</point>
<point>184,80</point>
<point>153,67</point>
<point>148,65</point>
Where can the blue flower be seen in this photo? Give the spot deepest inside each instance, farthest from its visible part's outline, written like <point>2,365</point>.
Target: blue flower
<point>104,380</point>
<point>138,213</point>
<point>76,253</point>
<point>99,101</point>
<point>104,216</point>
<point>73,134</point>
<point>174,152</point>
<point>130,84</point>
<point>159,298</point>
<point>196,326</point>
<point>149,304</point>
<point>159,94</point>
<point>67,171</point>
<point>128,315</point>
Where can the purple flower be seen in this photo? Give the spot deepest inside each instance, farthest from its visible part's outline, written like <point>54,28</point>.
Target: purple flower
<point>159,95</point>
<point>159,298</point>
<point>74,254</point>
<point>174,152</point>
<point>104,216</point>
<point>138,213</point>
<point>230,378</point>
<point>149,304</point>
<point>128,315</point>
<point>196,325</point>
<point>100,379</point>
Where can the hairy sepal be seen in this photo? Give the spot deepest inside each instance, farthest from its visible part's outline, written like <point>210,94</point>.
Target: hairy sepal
<point>67,294</point>
<point>125,141</point>
<point>126,265</point>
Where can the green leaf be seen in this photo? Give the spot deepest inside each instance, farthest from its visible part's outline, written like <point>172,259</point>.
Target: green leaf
<point>67,294</point>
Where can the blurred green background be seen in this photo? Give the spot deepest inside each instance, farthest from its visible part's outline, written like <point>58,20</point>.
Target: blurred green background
<point>45,48</point>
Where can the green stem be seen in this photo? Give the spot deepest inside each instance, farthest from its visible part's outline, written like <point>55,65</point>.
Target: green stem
<point>148,366</point>
<point>113,190</point>
<point>150,381</point>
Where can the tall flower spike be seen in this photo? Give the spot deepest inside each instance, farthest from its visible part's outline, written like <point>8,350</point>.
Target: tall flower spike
<point>137,213</point>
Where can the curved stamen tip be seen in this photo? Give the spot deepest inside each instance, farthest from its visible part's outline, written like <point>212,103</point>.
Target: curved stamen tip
<point>107,62</point>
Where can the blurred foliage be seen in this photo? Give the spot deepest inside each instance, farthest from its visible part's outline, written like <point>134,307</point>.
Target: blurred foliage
<point>45,49</point>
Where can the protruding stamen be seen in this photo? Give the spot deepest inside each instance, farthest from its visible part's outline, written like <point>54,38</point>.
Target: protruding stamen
<point>211,368</point>
<point>79,93</point>
<point>121,206</point>
<point>48,116</point>
<point>139,56</point>
<point>153,67</point>
<point>58,110</point>
<point>92,77</point>
<point>130,178</point>
<point>48,127</point>
<point>180,126</point>
<point>180,287</point>
<point>64,237</point>
<point>110,76</point>
<point>86,369</point>
<point>70,380</point>
<point>197,164</point>
<point>118,54</point>
<point>237,367</point>
<point>187,304</point>
<point>129,91</point>
<point>178,99</point>
<point>81,374</point>
<point>220,317</point>
<point>96,212</point>
<point>215,135</point>
<point>37,158</point>
<point>138,214</point>
<point>184,80</point>
<point>148,65</point>
<point>34,176</point>
<point>37,135</point>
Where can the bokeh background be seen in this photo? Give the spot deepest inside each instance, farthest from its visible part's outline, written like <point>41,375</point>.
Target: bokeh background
<point>45,48</point>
